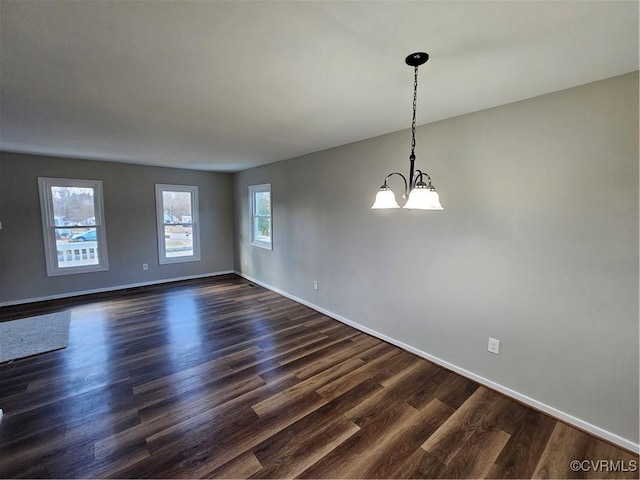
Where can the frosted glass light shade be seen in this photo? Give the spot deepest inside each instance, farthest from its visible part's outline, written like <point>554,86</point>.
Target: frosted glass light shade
<point>385,198</point>
<point>423,198</point>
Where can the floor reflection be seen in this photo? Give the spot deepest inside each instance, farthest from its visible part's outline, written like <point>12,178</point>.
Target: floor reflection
<point>182,319</point>
<point>90,371</point>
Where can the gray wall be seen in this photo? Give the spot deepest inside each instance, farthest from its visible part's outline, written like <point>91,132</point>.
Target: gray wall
<point>130,217</point>
<point>537,245</point>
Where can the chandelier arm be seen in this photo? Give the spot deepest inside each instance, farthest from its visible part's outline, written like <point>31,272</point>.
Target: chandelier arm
<point>418,177</point>
<point>404,179</point>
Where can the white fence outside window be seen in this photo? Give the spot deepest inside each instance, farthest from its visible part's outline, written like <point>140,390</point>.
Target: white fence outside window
<point>77,254</point>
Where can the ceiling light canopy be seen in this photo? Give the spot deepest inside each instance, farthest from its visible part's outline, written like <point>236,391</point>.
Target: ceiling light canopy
<point>422,196</point>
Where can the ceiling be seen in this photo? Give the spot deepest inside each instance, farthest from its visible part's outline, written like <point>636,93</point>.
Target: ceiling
<point>225,86</point>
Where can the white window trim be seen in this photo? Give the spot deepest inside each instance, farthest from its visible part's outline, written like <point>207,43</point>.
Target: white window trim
<point>253,189</point>
<point>195,223</point>
<point>49,226</point>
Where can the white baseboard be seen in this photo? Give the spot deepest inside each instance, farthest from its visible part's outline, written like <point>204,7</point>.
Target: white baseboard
<point>112,289</point>
<point>552,411</point>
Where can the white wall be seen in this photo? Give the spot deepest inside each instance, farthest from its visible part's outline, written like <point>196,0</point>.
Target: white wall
<point>537,245</point>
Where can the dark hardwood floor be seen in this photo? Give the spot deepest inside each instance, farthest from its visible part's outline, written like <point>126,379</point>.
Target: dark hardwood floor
<point>219,378</point>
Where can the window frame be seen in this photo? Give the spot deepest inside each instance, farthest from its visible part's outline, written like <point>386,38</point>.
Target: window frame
<point>195,223</point>
<point>49,226</point>
<point>253,189</point>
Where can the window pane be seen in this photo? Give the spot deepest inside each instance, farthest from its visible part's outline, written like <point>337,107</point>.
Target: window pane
<point>73,225</point>
<point>178,240</point>
<point>76,247</point>
<point>263,203</point>
<point>261,226</point>
<point>73,206</point>
<point>177,219</point>
<point>262,229</point>
<point>176,207</point>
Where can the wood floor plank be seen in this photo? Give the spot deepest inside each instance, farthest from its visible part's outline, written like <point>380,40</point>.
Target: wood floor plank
<point>302,452</point>
<point>352,458</point>
<point>243,466</point>
<point>206,399</point>
<point>359,344</point>
<point>285,398</point>
<point>477,455</point>
<point>407,441</point>
<point>367,371</point>
<point>519,457</point>
<point>605,458</point>
<point>565,445</point>
<point>421,464</point>
<point>466,422</point>
<point>204,449</point>
<point>568,444</point>
<point>271,451</point>
<point>405,382</point>
<point>185,417</point>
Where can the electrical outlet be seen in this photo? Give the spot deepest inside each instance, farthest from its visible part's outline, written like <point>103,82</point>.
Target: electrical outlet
<point>145,266</point>
<point>315,284</point>
<point>494,346</point>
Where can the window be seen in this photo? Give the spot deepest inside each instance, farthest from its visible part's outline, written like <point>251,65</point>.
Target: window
<point>178,232</point>
<point>260,199</point>
<point>73,225</point>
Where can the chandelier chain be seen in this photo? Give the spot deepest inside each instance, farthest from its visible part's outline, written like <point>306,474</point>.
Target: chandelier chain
<point>413,121</point>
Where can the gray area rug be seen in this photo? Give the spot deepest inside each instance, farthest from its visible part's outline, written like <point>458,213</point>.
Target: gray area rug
<point>28,336</point>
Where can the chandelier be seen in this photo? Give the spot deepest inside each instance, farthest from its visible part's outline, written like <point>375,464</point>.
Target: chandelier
<point>421,195</point>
